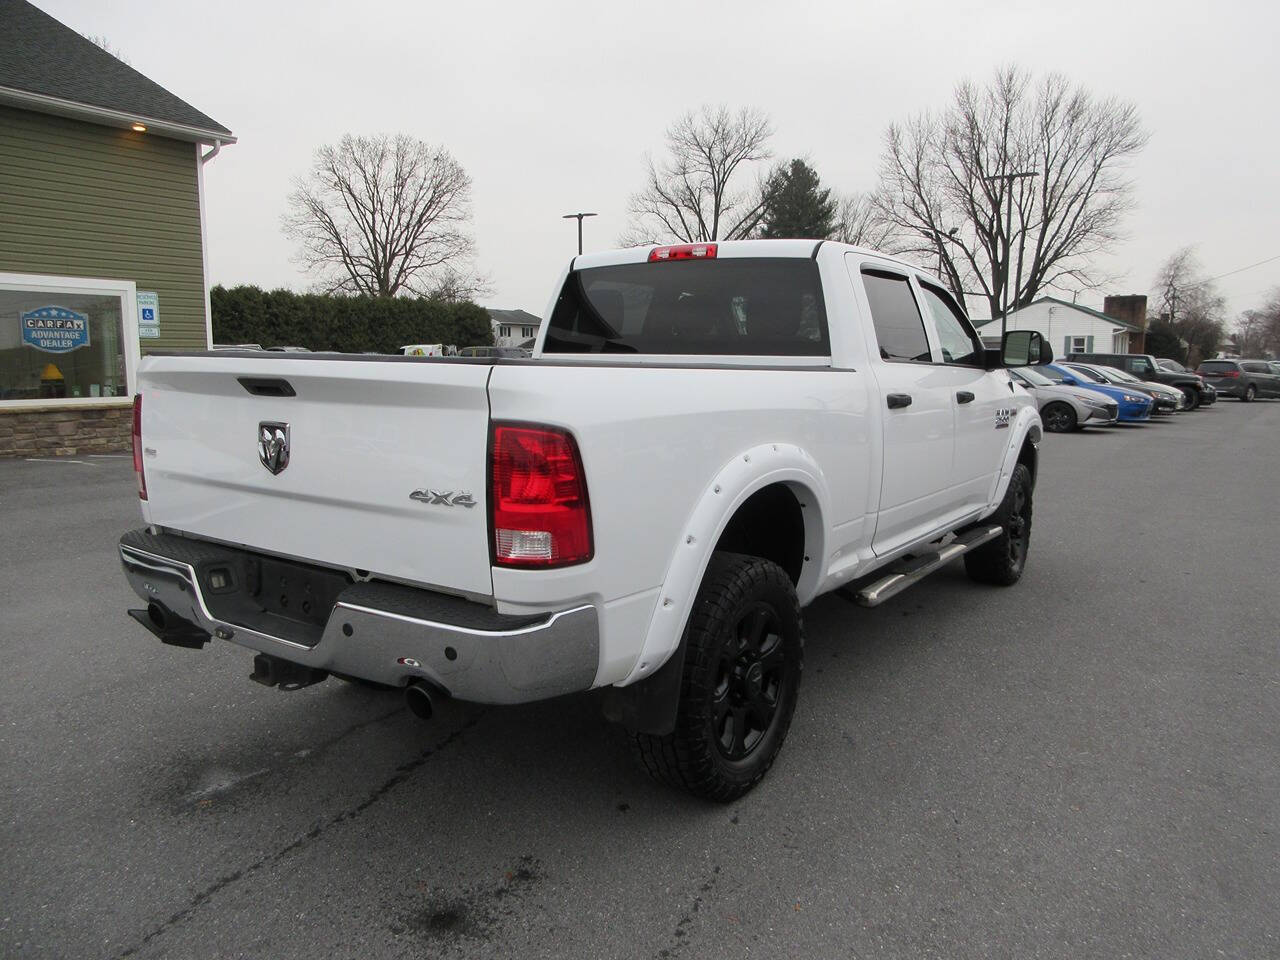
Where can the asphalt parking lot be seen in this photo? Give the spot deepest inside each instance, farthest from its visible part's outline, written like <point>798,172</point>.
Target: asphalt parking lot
<point>1087,764</point>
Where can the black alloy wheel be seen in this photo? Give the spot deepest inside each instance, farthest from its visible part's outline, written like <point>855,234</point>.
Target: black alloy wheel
<point>1002,560</point>
<point>749,682</point>
<point>1058,417</point>
<point>1019,526</point>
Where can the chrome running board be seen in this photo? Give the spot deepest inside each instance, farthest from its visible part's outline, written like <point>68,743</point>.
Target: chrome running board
<point>917,568</point>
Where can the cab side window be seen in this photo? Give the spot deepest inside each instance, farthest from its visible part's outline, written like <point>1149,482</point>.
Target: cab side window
<point>1140,367</point>
<point>959,344</point>
<point>899,327</point>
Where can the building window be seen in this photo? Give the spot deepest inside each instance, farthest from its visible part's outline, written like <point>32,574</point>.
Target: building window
<point>504,331</point>
<point>65,339</point>
<point>526,332</point>
<point>1078,345</point>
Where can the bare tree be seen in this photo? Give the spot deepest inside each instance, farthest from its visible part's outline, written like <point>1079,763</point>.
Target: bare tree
<point>943,185</point>
<point>1192,304</point>
<point>696,193</point>
<point>1257,331</point>
<point>859,222</point>
<point>105,44</point>
<point>381,216</point>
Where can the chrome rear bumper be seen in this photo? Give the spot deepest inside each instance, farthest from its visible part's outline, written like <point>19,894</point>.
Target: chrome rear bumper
<point>386,633</point>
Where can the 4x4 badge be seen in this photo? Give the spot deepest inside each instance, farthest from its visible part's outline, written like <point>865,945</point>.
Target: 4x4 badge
<point>448,499</point>
<point>273,445</point>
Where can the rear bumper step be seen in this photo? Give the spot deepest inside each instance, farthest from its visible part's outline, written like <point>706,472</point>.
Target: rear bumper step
<point>383,632</point>
<point>912,571</point>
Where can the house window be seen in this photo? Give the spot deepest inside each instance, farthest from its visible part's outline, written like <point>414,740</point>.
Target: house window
<point>65,339</point>
<point>1078,345</point>
<point>526,332</point>
<point>504,331</point>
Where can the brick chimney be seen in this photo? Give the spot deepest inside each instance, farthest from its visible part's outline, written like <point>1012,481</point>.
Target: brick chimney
<point>1130,309</point>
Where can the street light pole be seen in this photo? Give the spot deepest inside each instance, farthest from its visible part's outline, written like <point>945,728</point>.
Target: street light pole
<point>1008,179</point>
<point>578,217</point>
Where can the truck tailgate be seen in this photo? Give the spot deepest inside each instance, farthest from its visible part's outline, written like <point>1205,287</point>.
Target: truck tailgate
<point>363,436</point>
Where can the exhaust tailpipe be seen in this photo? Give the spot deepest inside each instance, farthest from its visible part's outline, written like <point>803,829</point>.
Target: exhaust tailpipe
<point>417,697</point>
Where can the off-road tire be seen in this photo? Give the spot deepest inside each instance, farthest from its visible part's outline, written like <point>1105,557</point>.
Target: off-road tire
<point>1059,417</point>
<point>1002,560</point>
<point>721,693</point>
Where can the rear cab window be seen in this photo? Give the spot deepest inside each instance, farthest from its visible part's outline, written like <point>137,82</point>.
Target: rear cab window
<point>743,306</point>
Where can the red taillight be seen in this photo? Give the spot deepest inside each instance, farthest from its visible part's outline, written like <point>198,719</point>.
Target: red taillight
<point>137,446</point>
<point>683,251</point>
<point>537,498</point>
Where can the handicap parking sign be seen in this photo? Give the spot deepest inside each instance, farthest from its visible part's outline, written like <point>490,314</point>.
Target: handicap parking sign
<point>148,315</point>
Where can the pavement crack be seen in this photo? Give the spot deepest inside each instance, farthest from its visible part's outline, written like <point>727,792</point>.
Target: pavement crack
<point>680,934</point>
<point>402,773</point>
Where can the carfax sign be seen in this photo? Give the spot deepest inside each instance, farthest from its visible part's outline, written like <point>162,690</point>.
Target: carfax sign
<point>54,329</point>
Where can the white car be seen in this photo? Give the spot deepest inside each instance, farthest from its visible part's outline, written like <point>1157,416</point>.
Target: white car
<point>707,437</point>
<point>1064,408</point>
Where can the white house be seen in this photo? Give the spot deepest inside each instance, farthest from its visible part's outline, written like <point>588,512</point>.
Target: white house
<point>1070,327</point>
<point>513,327</point>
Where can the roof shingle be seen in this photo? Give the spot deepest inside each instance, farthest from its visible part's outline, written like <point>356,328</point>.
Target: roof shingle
<point>42,56</point>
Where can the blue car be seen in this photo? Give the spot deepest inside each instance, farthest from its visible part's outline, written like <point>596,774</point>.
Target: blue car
<point>1134,407</point>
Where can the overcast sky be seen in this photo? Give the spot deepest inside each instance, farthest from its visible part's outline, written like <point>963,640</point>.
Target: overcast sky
<point>551,106</point>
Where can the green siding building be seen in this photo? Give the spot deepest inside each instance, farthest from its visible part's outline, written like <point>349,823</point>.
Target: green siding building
<point>101,234</point>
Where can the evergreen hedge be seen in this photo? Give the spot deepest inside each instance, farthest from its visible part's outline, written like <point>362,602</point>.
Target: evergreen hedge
<point>250,314</point>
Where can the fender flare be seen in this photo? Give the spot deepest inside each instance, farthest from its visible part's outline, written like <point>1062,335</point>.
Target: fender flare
<point>747,473</point>
<point>1026,424</point>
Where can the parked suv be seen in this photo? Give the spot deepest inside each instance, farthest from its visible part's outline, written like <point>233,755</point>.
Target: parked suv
<point>1242,379</point>
<point>1144,367</point>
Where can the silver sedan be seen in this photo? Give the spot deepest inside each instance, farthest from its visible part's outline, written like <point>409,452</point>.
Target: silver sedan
<point>1064,408</point>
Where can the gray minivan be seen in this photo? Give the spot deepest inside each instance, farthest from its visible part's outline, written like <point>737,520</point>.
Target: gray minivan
<point>1243,379</point>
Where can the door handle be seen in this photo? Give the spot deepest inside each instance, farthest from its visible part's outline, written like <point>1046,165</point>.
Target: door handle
<point>964,396</point>
<point>897,400</point>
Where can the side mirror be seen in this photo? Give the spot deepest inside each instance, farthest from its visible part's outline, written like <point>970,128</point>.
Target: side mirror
<point>1024,348</point>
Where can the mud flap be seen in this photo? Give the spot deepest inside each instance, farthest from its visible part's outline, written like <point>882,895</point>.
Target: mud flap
<point>650,705</point>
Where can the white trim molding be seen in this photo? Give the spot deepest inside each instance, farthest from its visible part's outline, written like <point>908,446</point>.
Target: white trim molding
<point>126,290</point>
<point>43,103</point>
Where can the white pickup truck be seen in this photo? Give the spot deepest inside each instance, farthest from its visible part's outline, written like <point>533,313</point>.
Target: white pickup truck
<point>706,438</point>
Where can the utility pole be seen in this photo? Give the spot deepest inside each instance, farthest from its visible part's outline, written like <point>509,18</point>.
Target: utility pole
<point>1007,179</point>
<point>578,217</point>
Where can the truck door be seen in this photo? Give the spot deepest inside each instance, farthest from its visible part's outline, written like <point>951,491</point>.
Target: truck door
<point>915,405</point>
<point>980,398</point>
